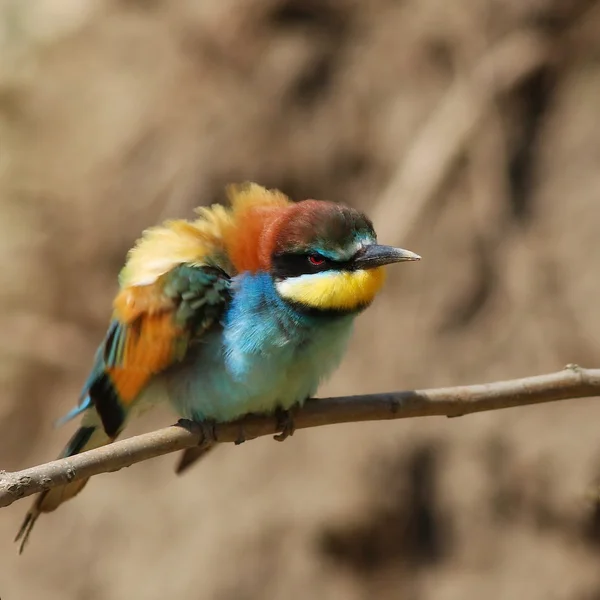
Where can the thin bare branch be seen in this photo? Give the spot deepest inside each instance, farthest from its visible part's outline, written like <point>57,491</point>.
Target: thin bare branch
<point>572,382</point>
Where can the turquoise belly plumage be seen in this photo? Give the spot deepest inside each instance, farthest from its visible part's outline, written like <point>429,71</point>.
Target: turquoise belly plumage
<point>266,355</point>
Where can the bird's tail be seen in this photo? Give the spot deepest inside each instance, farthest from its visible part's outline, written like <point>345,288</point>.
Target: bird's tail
<point>189,456</point>
<point>90,435</point>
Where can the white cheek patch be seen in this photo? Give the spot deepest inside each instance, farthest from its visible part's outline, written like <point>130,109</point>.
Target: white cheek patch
<point>288,287</point>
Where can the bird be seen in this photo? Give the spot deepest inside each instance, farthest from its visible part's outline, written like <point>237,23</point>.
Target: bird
<point>244,309</point>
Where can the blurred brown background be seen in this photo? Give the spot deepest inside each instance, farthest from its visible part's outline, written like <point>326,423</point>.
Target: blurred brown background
<point>470,132</point>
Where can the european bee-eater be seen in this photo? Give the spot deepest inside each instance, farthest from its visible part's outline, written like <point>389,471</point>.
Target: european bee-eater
<point>243,310</point>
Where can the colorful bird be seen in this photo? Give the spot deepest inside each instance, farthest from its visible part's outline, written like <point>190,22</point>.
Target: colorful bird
<point>243,310</point>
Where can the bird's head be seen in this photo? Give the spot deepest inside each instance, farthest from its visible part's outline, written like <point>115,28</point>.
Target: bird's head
<point>324,257</point>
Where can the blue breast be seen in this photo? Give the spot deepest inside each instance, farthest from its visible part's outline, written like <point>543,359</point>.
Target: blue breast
<point>266,355</point>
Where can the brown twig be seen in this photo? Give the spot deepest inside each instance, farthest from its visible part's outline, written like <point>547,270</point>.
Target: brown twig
<point>572,382</point>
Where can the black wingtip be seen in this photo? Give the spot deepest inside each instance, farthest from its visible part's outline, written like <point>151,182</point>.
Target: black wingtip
<point>106,400</point>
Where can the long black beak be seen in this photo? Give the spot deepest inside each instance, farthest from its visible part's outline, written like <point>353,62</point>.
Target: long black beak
<point>376,255</point>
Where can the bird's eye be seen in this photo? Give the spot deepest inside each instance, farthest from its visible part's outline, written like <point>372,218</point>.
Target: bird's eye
<point>316,259</point>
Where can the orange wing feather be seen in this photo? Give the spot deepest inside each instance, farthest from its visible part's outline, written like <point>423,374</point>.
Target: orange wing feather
<point>150,338</point>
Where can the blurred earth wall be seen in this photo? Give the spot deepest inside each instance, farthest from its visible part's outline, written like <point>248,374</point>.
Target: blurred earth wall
<point>470,131</point>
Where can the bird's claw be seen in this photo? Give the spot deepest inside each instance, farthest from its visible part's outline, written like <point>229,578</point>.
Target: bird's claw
<point>207,427</point>
<point>241,438</point>
<point>209,431</point>
<point>285,422</point>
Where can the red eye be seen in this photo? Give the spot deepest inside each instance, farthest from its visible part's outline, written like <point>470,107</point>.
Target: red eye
<point>315,259</point>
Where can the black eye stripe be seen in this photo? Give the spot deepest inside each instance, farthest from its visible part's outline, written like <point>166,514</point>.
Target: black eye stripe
<point>293,265</point>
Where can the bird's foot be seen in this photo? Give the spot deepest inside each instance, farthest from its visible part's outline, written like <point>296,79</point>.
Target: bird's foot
<point>285,422</point>
<point>207,440</point>
<point>241,438</point>
<point>207,427</point>
<point>209,431</point>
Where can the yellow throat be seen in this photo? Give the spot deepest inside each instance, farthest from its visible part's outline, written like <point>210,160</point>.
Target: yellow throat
<point>333,290</point>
